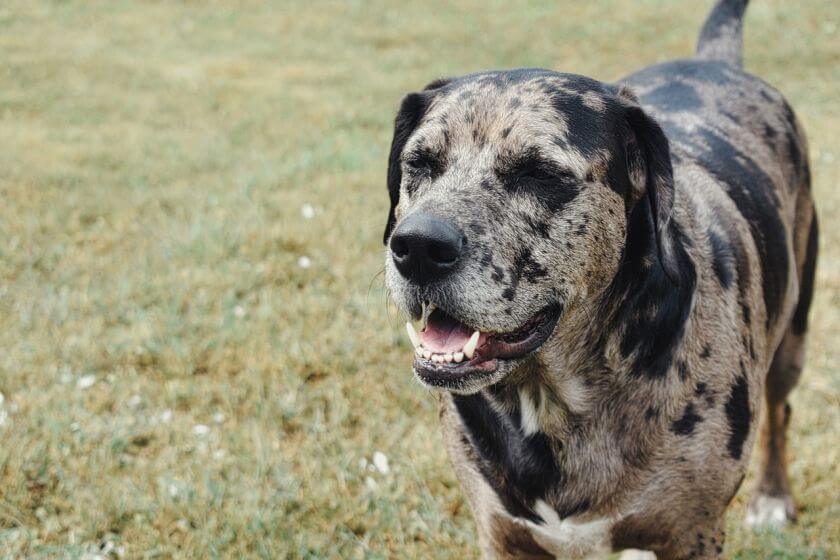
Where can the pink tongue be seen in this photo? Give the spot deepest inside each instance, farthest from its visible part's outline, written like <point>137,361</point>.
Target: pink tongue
<point>444,334</point>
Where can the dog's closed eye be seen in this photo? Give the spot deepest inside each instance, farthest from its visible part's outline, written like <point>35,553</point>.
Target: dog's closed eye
<point>425,162</point>
<point>532,170</point>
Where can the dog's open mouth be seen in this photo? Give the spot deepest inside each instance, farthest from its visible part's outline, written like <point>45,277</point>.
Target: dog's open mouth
<point>447,350</point>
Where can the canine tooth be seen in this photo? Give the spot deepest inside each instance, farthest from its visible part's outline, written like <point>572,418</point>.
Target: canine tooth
<point>427,353</point>
<point>447,358</point>
<point>469,347</point>
<point>458,357</point>
<point>412,334</point>
<point>418,351</point>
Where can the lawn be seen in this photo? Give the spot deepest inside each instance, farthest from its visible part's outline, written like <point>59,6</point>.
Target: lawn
<point>198,359</point>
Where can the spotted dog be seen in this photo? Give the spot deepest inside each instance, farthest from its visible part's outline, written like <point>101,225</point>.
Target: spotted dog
<point>610,279</point>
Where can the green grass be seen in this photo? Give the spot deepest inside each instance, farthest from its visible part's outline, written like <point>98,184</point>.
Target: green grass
<point>154,160</point>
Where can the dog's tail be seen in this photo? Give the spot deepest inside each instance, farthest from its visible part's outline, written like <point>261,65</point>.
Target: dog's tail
<point>722,37</point>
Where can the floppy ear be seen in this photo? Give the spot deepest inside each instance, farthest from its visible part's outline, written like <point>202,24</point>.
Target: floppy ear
<point>651,176</point>
<point>412,109</point>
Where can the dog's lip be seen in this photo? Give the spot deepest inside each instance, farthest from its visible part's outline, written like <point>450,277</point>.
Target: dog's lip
<point>447,375</point>
<point>496,348</point>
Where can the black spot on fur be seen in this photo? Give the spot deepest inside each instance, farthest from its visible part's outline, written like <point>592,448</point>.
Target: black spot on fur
<point>479,138</point>
<point>506,131</point>
<point>524,266</point>
<point>749,188</point>
<point>585,127</point>
<point>799,323</point>
<point>742,268</point>
<point>684,426</point>
<point>722,259</point>
<point>745,312</point>
<point>682,370</point>
<point>674,96</point>
<point>651,413</point>
<point>540,227</point>
<point>498,274</point>
<point>707,352</point>
<point>519,468</point>
<point>738,415</point>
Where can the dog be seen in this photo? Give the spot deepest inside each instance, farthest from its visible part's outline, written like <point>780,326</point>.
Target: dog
<point>610,278</point>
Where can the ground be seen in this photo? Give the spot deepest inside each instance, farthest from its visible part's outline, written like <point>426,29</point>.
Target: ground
<point>197,356</point>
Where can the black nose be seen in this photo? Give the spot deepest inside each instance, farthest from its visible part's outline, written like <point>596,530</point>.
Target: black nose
<point>425,248</point>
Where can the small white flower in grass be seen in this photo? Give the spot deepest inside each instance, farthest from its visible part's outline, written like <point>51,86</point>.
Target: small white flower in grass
<point>86,381</point>
<point>304,262</point>
<point>380,461</point>
<point>173,490</point>
<point>370,483</point>
<point>166,416</point>
<point>218,418</point>
<point>201,430</point>
<point>307,211</point>
<point>74,427</point>
<point>363,463</point>
<point>2,399</point>
<point>239,311</point>
<point>134,401</point>
<point>106,547</point>
<point>218,454</point>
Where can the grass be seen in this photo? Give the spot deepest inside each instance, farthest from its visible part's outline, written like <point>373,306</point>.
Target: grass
<point>175,384</point>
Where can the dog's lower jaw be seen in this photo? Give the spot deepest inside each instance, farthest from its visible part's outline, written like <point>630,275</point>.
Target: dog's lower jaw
<point>469,384</point>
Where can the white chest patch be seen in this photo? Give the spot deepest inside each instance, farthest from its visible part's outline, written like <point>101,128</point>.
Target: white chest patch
<point>566,538</point>
<point>529,415</point>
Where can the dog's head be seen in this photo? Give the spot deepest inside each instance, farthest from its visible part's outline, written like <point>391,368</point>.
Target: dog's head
<point>512,195</point>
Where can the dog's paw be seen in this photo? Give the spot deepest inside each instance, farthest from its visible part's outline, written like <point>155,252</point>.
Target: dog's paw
<point>770,511</point>
<point>633,554</point>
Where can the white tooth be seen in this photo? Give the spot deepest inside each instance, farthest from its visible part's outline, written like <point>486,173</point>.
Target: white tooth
<point>469,347</point>
<point>427,353</point>
<point>418,351</point>
<point>447,358</point>
<point>437,358</point>
<point>412,334</point>
<point>458,357</point>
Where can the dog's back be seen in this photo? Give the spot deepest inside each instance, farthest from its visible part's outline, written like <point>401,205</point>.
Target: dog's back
<point>724,122</point>
<point>741,159</point>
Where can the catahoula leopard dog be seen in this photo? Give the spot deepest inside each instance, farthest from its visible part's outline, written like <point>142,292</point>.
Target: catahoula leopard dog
<point>610,278</point>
